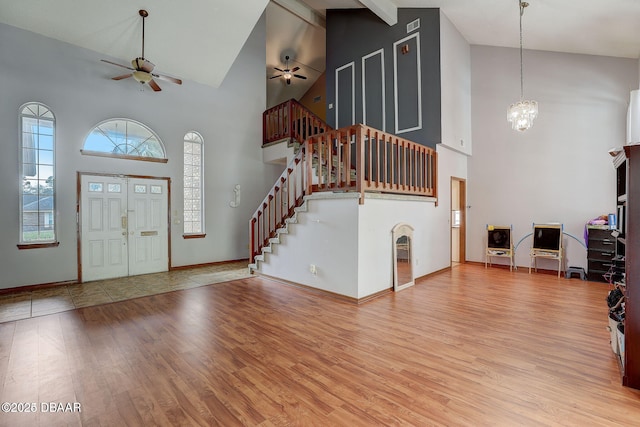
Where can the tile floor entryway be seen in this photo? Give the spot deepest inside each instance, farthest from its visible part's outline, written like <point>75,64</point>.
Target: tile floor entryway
<point>26,304</point>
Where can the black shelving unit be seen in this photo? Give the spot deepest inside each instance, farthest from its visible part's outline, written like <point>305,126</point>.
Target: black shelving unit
<point>601,249</point>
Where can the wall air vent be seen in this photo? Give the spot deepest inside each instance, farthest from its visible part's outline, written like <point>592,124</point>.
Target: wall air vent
<point>413,25</point>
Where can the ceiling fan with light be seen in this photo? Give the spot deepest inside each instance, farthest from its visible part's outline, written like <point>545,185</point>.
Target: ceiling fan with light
<point>141,68</point>
<point>287,73</point>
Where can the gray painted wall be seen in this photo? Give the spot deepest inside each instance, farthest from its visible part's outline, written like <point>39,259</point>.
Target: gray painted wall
<point>352,34</point>
<point>77,87</point>
<point>557,171</point>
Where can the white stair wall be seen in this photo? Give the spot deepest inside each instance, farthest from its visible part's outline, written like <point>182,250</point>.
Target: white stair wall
<point>349,245</point>
<point>280,152</point>
<point>310,240</point>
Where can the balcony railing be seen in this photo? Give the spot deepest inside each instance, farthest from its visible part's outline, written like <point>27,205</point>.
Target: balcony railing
<point>290,120</point>
<point>361,158</point>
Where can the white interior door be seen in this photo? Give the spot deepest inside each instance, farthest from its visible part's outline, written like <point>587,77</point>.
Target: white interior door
<point>124,226</point>
<point>147,221</point>
<point>104,231</point>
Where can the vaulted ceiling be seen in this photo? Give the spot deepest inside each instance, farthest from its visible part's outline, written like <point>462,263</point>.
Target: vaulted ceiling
<point>594,27</point>
<point>198,40</point>
<point>194,39</point>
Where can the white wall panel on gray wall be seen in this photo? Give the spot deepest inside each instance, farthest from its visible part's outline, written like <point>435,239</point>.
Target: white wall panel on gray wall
<point>345,95</point>
<point>407,76</point>
<point>373,90</point>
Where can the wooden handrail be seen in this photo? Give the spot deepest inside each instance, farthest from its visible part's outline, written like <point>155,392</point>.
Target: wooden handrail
<point>278,205</point>
<point>355,158</point>
<point>291,120</point>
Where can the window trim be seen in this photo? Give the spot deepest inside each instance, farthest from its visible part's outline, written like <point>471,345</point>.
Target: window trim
<point>198,140</point>
<point>36,244</point>
<point>22,246</point>
<point>122,156</point>
<point>194,236</point>
<point>127,156</point>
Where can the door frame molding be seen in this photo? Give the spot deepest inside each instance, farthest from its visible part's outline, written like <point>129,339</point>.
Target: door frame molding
<point>462,201</point>
<point>79,176</point>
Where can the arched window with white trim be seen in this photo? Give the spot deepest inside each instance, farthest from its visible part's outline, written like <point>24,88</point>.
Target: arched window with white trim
<point>37,176</point>
<point>124,138</point>
<point>193,223</point>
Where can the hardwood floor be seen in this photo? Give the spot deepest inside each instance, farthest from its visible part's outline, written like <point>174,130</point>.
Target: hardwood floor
<point>470,347</point>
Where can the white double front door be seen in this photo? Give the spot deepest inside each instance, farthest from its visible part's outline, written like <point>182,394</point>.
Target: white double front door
<point>124,226</point>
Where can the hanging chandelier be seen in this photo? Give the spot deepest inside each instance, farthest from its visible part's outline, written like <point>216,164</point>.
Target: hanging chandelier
<point>522,113</point>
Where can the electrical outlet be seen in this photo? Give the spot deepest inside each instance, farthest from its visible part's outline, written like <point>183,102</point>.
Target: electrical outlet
<point>313,270</point>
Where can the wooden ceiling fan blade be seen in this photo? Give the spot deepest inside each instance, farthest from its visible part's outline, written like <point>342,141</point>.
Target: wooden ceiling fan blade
<point>118,65</point>
<point>294,69</point>
<point>275,77</point>
<point>124,76</point>
<point>276,68</point>
<point>299,76</point>
<point>154,85</point>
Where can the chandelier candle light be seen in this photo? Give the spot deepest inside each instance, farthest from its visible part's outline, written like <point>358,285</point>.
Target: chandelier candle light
<point>522,113</point>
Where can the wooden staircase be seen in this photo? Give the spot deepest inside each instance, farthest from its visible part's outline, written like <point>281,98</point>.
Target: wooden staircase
<point>355,158</point>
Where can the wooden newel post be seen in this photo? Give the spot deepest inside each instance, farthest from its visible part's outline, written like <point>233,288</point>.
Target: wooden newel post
<point>360,162</point>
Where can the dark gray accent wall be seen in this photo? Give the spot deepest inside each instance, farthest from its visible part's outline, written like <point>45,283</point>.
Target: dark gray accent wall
<point>373,75</point>
<point>355,33</point>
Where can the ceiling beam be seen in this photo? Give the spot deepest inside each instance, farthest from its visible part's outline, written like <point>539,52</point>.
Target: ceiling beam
<point>303,12</point>
<point>385,9</point>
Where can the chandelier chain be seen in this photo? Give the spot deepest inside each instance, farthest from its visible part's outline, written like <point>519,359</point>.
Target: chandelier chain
<point>522,6</point>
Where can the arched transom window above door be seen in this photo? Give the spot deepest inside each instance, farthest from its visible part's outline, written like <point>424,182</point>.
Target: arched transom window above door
<point>124,138</point>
